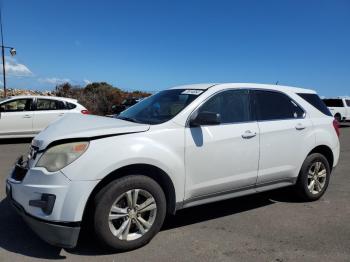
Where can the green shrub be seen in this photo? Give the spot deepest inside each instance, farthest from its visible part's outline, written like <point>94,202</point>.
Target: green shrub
<point>98,97</point>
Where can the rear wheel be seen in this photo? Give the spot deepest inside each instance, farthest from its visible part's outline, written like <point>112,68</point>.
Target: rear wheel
<point>338,117</point>
<point>129,212</point>
<point>313,177</point>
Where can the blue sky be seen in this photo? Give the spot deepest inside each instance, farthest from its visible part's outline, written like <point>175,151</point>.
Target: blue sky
<point>151,45</point>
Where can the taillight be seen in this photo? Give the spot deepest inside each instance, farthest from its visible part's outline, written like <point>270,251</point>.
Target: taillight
<point>85,112</point>
<point>336,126</point>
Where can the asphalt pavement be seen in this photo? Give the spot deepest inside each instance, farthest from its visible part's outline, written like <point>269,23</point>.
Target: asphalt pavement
<point>271,226</point>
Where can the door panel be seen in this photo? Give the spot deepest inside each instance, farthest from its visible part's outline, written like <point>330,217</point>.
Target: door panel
<point>286,135</point>
<point>219,159</point>
<point>47,111</point>
<point>16,117</point>
<point>43,118</point>
<point>16,123</point>
<point>283,147</point>
<point>222,157</point>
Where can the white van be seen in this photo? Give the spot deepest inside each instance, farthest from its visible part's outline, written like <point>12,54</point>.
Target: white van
<point>339,107</point>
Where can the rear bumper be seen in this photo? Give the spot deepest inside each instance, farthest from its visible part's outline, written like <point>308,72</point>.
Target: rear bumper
<point>59,234</point>
<point>336,155</point>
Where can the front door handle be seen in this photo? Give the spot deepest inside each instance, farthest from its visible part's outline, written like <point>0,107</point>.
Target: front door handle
<point>248,134</point>
<point>61,114</point>
<point>300,127</point>
<point>27,116</point>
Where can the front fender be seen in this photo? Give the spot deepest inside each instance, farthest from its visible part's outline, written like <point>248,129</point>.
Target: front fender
<point>109,154</point>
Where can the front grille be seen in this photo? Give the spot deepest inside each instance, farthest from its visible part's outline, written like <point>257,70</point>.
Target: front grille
<point>19,173</point>
<point>20,170</point>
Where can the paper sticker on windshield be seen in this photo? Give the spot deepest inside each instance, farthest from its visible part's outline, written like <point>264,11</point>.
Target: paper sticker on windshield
<point>192,92</point>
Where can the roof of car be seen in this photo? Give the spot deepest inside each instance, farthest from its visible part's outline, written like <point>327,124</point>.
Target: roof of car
<point>194,86</point>
<point>38,96</point>
<point>338,97</point>
<point>247,85</point>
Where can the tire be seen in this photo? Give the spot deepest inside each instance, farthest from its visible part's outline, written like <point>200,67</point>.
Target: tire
<point>338,117</point>
<point>304,187</point>
<point>110,232</point>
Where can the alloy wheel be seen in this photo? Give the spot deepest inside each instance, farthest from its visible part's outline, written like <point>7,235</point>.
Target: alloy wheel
<point>316,177</point>
<point>132,214</point>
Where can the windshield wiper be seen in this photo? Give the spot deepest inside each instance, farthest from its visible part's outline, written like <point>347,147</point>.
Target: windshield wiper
<point>130,119</point>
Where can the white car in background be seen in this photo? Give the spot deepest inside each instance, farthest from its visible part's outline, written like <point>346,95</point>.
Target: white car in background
<point>339,107</point>
<point>26,116</point>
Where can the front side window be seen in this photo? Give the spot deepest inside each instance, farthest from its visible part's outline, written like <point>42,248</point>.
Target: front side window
<point>348,102</point>
<point>160,107</point>
<point>49,104</point>
<point>270,105</point>
<point>333,102</point>
<point>16,105</point>
<point>232,105</point>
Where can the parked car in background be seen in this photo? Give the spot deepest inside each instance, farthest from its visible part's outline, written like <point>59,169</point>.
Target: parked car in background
<point>25,116</point>
<point>179,148</point>
<point>117,109</point>
<point>339,107</point>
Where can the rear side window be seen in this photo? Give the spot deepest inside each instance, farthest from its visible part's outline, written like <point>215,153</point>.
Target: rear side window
<point>70,105</point>
<point>49,104</point>
<point>232,105</point>
<point>272,105</point>
<point>347,102</point>
<point>315,100</point>
<point>333,102</point>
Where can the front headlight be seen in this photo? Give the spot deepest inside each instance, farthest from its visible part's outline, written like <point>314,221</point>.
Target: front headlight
<point>57,157</point>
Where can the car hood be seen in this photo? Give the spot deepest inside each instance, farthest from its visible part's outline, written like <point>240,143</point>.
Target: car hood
<point>73,126</point>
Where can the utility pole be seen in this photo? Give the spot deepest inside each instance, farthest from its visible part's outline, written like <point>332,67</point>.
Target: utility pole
<point>12,52</point>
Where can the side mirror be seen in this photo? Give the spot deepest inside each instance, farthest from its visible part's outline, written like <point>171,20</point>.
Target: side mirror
<point>205,118</point>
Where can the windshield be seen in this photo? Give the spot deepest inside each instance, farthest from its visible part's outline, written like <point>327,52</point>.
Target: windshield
<point>160,107</point>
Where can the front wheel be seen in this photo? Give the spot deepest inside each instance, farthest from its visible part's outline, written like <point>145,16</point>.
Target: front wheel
<point>129,212</point>
<point>313,177</point>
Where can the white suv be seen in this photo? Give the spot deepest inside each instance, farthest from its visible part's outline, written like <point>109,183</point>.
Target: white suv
<point>26,116</point>
<point>339,107</point>
<point>181,147</point>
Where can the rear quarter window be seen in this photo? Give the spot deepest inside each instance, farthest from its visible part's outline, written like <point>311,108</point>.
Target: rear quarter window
<point>70,105</point>
<point>316,101</point>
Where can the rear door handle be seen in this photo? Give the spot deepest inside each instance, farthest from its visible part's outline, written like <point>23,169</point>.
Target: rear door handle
<point>61,114</point>
<point>300,127</point>
<point>27,116</point>
<point>248,134</point>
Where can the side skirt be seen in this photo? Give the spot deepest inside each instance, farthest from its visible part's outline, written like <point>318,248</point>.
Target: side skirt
<point>235,193</point>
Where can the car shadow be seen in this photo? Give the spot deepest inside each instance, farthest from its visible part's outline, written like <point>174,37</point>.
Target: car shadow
<point>4,141</point>
<point>16,236</point>
<point>88,245</point>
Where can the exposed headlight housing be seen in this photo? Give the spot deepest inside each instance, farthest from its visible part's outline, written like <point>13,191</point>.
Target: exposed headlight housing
<point>60,156</point>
